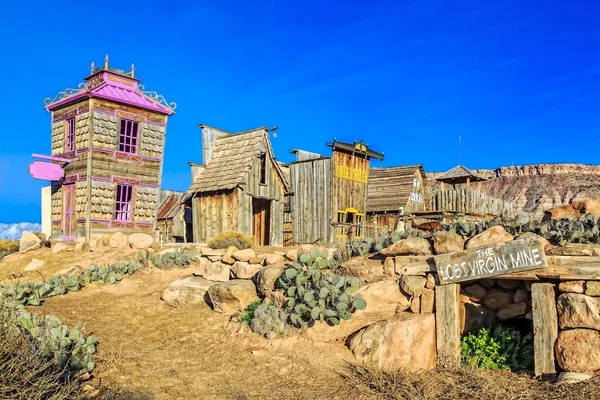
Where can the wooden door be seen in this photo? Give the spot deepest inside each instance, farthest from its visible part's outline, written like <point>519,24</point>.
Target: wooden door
<point>69,220</point>
<point>261,221</point>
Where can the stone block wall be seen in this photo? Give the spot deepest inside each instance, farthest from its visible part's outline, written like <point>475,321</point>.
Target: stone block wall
<point>578,345</point>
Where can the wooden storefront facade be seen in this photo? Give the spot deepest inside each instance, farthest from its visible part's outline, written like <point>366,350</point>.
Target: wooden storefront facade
<point>330,193</point>
<point>109,138</point>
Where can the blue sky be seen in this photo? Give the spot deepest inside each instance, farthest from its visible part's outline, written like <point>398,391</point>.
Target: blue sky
<point>518,81</point>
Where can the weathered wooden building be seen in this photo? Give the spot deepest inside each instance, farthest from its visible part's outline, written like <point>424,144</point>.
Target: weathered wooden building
<point>108,136</point>
<point>241,187</point>
<point>393,192</point>
<point>329,199</point>
<point>173,220</point>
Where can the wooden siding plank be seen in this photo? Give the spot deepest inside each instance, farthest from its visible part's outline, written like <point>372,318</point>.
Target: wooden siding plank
<point>545,327</point>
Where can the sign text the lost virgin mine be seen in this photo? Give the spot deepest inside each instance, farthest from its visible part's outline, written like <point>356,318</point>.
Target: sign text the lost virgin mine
<point>484,262</point>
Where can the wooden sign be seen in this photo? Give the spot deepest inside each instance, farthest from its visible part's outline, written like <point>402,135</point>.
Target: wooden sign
<point>354,174</point>
<point>46,171</point>
<point>495,260</point>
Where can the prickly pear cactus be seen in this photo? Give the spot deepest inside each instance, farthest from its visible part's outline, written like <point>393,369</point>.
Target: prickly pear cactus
<point>313,294</point>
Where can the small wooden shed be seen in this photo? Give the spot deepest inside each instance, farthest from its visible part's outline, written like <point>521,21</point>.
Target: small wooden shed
<point>173,220</point>
<point>330,193</point>
<point>242,188</point>
<point>393,192</point>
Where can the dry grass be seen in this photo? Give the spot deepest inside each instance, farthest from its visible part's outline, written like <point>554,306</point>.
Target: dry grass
<point>464,383</point>
<point>24,375</point>
<point>8,247</point>
<point>225,239</point>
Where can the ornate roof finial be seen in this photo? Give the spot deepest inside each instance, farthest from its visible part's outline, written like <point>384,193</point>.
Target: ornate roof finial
<point>132,71</point>
<point>92,68</point>
<point>106,62</point>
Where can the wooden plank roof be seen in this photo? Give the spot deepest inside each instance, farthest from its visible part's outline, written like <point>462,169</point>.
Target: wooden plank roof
<point>459,173</point>
<point>232,158</point>
<point>389,188</point>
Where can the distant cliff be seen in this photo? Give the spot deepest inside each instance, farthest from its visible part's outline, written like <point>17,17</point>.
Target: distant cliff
<point>535,188</point>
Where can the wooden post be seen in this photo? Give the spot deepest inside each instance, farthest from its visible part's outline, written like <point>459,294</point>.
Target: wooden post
<point>447,320</point>
<point>545,327</point>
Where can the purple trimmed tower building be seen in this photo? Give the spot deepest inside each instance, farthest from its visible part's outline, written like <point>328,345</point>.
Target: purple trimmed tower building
<point>109,138</point>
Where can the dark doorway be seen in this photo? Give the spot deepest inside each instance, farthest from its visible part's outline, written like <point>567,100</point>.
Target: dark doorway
<point>261,221</point>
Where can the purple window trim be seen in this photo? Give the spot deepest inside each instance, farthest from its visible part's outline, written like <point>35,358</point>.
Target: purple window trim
<point>70,135</point>
<point>80,111</point>
<point>112,152</point>
<point>129,136</point>
<point>124,203</point>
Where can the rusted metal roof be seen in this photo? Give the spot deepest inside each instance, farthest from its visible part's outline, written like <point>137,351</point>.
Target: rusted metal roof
<point>389,188</point>
<point>459,174</point>
<point>170,206</point>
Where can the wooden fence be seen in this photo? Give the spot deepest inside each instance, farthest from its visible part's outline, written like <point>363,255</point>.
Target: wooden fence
<point>470,201</point>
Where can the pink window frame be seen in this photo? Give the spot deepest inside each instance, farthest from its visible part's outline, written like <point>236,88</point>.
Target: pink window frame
<point>129,137</point>
<point>123,203</point>
<point>70,134</point>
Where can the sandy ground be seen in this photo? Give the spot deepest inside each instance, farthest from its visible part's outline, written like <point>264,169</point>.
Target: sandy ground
<point>191,352</point>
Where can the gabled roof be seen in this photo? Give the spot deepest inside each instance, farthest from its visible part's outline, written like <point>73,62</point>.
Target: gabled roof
<point>231,159</point>
<point>110,86</point>
<point>389,188</point>
<point>459,173</point>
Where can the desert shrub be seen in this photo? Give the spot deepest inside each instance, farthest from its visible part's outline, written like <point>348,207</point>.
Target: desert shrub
<point>249,312</point>
<point>268,320</point>
<point>172,259</point>
<point>26,372</point>
<point>313,294</point>
<point>225,239</point>
<point>499,348</point>
<point>8,247</point>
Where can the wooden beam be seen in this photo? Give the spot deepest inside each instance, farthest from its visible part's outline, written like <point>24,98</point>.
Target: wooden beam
<point>545,327</point>
<point>447,320</point>
<point>559,267</point>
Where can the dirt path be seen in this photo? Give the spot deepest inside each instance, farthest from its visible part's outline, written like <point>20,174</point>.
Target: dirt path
<point>192,352</point>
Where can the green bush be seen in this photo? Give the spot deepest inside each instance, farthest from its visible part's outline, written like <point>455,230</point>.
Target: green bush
<point>249,312</point>
<point>499,348</point>
<point>225,239</point>
<point>315,295</point>
<point>172,259</point>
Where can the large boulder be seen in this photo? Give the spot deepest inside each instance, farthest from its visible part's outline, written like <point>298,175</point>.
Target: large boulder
<point>231,297</point>
<point>82,247</point>
<point>267,277</point>
<point>447,242</point>
<point>408,247</point>
<point>592,288</point>
<point>427,301</point>
<point>406,342</point>
<point>495,299</point>
<point>117,240</point>
<point>536,238</point>
<point>244,270</point>
<point>190,290</point>
<point>214,271</point>
<point>244,255</point>
<point>575,209</point>
<point>140,241</point>
<point>475,291</point>
<point>578,350</point>
<point>512,310</point>
<point>35,264</point>
<point>494,235</point>
<point>578,311</point>
<point>292,255</point>
<point>384,299</point>
<point>28,242</point>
